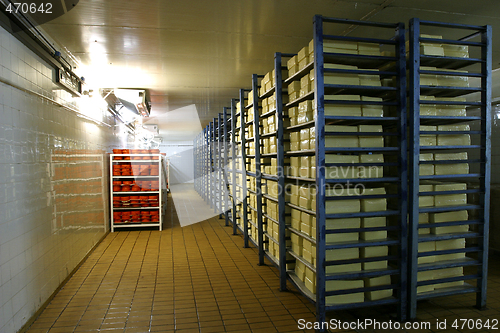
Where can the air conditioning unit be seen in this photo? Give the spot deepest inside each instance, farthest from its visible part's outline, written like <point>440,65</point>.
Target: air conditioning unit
<point>136,100</point>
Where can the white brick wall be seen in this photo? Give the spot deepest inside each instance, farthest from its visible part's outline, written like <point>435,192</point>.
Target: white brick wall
<point>41,241</point>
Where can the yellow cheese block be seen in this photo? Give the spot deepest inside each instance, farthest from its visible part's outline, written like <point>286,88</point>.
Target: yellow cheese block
<point>373,205</point>
<point>304,144</point>
<point>451,110</point>
<point>303,53</point>
<point>368,49</point>
<point>374,251</point>
<point>344,285</point>
<point>305,117</point>
<point>341,141</point>
<point>453,139</point>
<point>450,199</point>
<point>458,51</point>
<point>342,110</point>
<point>450,217</point>
<point>340,78</point>
<point>342,254</point>
<point>376,282</point>
<point>310,285</point>
<point>425,276</point>
<point>452,80</point>
<point>334,224</point>
<point>428,139</point>
<point>428,109</point>
<point>293,112</point>
<point>372,222</point>
<point>344,206</point>
<point>446,273</point>
<point>301,273</point>
<point>312,143</point>
<point>372,110</point>
<point>305,228</point>
<point>304,81</point>
<point>371,171</point>
<point>296,224</point>
<point>312,132</point>
<point>292,62</point>
<point>341,172</point>
<point>426,169</point>
<point>370,141</point>
<point>307,191</point>
<point>304,203</point>
<point>428,200</point>
<point>304,134</point>
<point>428,79</point>
<point>431,49</point>
<point>423,218</point>
<point>293,96</point>
<point>451,169</point>
<point>303,63</point>
<point>450,245</point>
<point>346,45</point>
<point>426,247</point>
<point>370,80</point>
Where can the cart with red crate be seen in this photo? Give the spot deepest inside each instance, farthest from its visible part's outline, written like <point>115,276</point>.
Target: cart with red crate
<point>135,188</point>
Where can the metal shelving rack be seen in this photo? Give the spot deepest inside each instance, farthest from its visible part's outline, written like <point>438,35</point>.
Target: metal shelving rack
<point>255,175</point>
<point>277,112</point>
<point>232,214</point>
<point>472,226</point>
<point>327,255</point>
<point>155,159</point>
<point>226,141</point>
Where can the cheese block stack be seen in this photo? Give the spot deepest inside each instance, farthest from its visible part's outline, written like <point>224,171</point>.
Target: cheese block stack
<point>269,145</point>
<point>305,139</point>
<point>304,196</point>
<point>438,169</point>
<point>306,224</point>
<point>271,167</point>
<point>434,218</point>
<point>272,229</point>
<point>267,82</point>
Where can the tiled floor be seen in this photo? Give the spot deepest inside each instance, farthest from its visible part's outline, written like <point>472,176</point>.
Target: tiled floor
<point>200,279</point>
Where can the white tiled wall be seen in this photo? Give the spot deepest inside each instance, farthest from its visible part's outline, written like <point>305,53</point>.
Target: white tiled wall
<point>53,205</point>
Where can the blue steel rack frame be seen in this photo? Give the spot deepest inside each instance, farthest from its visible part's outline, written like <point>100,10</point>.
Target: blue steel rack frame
<point>277,89</point>
<point>226,209</point>
<point>234,196</point>
<point>256,175</point>
<point>476,38</point>
<point>244,190</point>
<point>394,126</point>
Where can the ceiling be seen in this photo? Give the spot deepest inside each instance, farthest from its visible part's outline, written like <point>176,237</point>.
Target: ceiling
<point>200,53</point>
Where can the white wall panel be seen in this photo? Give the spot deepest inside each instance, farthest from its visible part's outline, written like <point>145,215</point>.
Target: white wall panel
<point>53,185</point>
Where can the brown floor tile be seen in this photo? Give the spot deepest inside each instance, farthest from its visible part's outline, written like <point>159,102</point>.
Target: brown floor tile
<point>200,279</point>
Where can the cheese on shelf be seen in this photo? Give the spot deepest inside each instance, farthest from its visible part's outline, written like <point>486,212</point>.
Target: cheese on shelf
<point>341,141</point>
<point>349,110</point>
<point>371,252</point>
<point>450,199</point>
<point>344,285</point>
<point>451,169</point>
<point>335,224</point>
<point>453,139</point>
<point>341,172</point>
<point>370,141</point>
<point>376,282</point>
<point>449,217</point>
